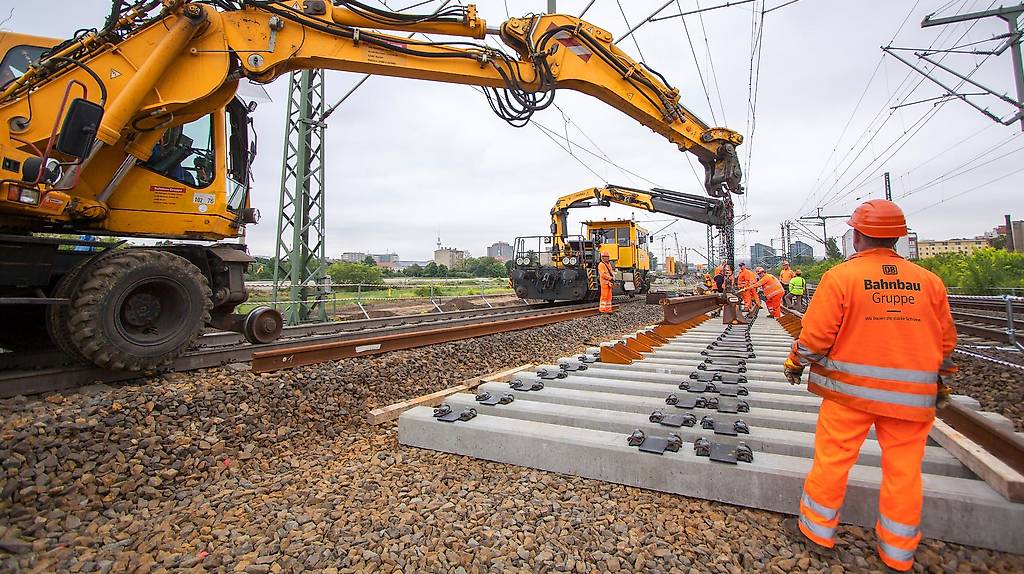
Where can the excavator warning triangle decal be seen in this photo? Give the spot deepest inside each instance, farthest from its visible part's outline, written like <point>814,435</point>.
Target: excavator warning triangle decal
<point>114,73</point>
<point>572,44</point>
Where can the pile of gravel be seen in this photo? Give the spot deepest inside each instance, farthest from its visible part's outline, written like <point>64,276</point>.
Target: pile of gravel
<point>999,389</point>
<point>224,470</point>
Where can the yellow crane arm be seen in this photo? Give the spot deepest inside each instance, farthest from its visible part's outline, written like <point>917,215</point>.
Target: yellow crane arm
<point>154,71</point>
<point>686,206</point>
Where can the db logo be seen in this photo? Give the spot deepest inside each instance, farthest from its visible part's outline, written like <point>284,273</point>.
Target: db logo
<point>889,270</point>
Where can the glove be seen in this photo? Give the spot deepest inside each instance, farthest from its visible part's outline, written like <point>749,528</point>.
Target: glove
<point>792,371</point>
<point>942,394</point>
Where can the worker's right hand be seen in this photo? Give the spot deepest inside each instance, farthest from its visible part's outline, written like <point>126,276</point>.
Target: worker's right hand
<point>792,371</point>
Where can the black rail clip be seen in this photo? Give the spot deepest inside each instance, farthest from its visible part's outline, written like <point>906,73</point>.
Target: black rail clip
<point>548,373</point>
<point>485,398</point>
<point>730,406</point>
<point>739,426</point>
<point>730,454</point>
<point>655,444</point>
<point>698,387</point>
<point>444,413</point>
<point>705,366</point>
<point>681,420</point>
<point>687,401</point>
<point>732,390</point>
<point>521,385</point>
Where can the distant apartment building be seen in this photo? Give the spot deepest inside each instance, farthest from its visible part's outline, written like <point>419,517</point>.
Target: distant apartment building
<point>449,257</point>
<point>800,249</point>
<point>931,248</point>
<point>385,260</point>
<point>353,257</point>
<point>761,254</point>
<point>912,252</point>
<point>501,251</point>
<point>1017,228</point>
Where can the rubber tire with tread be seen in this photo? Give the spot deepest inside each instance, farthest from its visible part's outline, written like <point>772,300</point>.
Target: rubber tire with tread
<point>58,317</point>
<point>98,341</point>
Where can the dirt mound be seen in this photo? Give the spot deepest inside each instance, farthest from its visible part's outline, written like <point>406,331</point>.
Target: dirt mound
<point>458,304</point>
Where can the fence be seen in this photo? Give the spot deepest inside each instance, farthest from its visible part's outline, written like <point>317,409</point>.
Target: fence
<point>335,295</point>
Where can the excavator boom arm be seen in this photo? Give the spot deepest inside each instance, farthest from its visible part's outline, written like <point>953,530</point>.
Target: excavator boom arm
<point>185,60</point>
<point>696,208</point>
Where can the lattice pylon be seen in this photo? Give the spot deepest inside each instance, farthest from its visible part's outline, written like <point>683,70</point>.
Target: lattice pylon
<point>300,265</point>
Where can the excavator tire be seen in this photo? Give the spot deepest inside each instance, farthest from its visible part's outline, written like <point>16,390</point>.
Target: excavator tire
<point>58,317</point>
<point>138,309</point>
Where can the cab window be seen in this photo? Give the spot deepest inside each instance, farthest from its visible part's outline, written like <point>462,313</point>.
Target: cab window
<point>238,155</point>
<point>16,62</point>
<point>622,235</point>
<point>185,153</point>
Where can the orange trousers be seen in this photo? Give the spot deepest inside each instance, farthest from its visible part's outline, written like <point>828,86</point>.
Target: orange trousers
<point>840,432</point>
<point>606,298</point>
<point>775,305</point>
<point>749,298</point>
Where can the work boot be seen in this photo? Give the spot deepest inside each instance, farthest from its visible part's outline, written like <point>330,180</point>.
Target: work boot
<point>797,535</point>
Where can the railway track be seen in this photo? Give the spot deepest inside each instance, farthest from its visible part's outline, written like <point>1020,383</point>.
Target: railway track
<point>222,348</point>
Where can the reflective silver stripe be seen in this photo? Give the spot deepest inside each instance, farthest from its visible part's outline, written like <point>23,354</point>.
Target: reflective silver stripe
<point>897,528</point>
<point>806,353</point>
<point>887,373</point>
<point>896,553</point>
<point>892,397</point>
<point>822,510</point>
<point>817,529</point>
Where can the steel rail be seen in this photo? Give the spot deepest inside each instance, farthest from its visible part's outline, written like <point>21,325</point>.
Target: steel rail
<point>34,360</point>
<point>49,379</point>
<point>986,332</point>
<point>319,352</point>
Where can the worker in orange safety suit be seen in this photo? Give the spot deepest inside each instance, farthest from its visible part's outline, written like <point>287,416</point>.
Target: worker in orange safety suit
<point>878,335</point>
<point>606,275</point>
<point>772,289</point>
<point>785,276</point>
<point>709,283</point>
<point>745,278</point>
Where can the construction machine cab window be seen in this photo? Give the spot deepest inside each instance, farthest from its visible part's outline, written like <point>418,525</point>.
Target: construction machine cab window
<point>16,62</point>
<point>622,236</point>
<point>185,153</point>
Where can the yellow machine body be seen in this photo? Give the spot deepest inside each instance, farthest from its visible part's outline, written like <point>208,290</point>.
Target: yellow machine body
<point>623,240</point>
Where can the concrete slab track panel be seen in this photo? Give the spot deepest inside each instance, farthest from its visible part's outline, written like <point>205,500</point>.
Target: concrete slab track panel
<point>579,424</point>
<point>955,509</point>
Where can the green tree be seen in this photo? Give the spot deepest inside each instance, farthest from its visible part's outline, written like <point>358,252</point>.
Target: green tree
<point>369,260</point>
<point>442,271</point>
<point>355,273</point>
<point>414,270</point>
<point>832,249</point>
<point>430,270</point>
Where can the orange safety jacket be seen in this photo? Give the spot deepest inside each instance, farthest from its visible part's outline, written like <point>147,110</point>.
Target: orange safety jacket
<point>745,278</point>
<point>878,334</point>
<point>769,285</point>
<point>786,275</point>
<point>604,271</point>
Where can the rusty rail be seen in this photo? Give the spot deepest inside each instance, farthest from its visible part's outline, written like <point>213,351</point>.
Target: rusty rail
<point>297,356</point>
<point>682,309</point>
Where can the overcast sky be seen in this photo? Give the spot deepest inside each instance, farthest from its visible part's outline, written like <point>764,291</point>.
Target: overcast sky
<point>408,160</point>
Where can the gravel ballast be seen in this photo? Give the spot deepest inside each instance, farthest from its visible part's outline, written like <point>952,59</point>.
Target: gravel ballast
<point>224,470</point>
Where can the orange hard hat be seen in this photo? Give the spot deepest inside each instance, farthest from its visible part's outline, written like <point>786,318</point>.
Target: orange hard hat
<point>759,270</point>
<point>879,218</point>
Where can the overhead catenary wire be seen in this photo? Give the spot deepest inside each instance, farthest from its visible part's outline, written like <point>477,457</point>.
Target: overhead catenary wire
<point>696,63</point>
<point>871,130</point>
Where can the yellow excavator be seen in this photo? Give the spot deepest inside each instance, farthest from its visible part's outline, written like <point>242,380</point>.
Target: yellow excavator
<point>134,130</point>
<point>563,267</point>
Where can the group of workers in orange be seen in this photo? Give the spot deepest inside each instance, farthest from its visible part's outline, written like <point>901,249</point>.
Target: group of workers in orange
<point>746,283</point>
